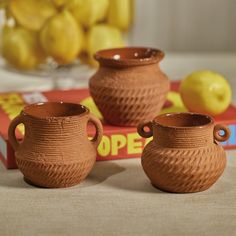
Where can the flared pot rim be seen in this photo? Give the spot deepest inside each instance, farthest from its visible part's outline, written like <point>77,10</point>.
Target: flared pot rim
<point>129,56</point>
<point>75,110</point>
<point>193,120</point>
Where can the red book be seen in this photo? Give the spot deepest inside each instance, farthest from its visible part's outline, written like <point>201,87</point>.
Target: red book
<point>117,142</point>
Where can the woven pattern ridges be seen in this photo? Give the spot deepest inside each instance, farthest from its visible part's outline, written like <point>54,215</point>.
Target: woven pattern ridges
<point>61,129</point>
<point>183,138</point>
<point>48,152</point>
<point>129,106</point>
<point>183,170</point>
<point>55,175</point>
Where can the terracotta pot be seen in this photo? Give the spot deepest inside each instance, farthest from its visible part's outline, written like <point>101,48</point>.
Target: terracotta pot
<point>55,151</point>
<point>129,86</point>
<point>184,155</point>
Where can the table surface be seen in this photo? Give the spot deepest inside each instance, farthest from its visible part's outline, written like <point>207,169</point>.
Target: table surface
<point>117,198</point>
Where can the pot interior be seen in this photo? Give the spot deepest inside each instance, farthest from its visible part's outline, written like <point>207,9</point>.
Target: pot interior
<point>183,120</point>
<point>54,109</point>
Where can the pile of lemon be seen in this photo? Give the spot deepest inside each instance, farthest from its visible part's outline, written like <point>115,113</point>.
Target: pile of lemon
<point>64,30</point>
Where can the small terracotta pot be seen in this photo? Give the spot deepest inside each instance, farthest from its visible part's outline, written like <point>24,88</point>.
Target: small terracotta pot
<point>129,86</point>
<point>55,151</point>
<point>184,155</point>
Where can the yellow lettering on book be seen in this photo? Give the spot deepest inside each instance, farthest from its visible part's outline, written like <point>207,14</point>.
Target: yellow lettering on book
<point>11,98</point>
<point>177,104</point>
<point>89,103</point>
<point>104,147</point>
<point>21,128</point>
<point>12,104</point>
<point>116,144</point>
<point>118,141</point>
<point>134,143</point>
<point>13,109</point>
<point>147,140</point>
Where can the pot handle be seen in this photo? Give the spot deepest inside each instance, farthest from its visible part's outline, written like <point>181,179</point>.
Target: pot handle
<point>218,136</point>
<point>11,131</point>
<point>99,130</point>
<point>142,132</point>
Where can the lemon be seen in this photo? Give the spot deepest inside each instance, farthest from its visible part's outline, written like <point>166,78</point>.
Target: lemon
<point>88,12</point>
<point>102,36</point>
<point>20,48</point>
<point>32,13</point>
<point>119,13</point>
<point>3,4</point>
<point>61,37</point>
<point>60,3</point>
<point>206,92</point>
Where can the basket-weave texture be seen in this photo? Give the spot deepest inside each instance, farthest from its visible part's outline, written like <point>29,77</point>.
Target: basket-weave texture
<point>55,175</point>
<point>129,96</point>
<point>183,170</point>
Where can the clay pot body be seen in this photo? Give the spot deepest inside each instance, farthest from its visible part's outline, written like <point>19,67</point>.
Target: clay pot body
<point>184,155</point>
<point>129,86</point>
<point>55,151</point>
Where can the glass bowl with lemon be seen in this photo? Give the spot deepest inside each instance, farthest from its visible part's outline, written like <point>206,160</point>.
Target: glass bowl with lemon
<point>58,38</point>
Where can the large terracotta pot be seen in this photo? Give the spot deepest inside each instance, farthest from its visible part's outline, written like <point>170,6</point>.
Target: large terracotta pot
<point>55,151</point>
<point>184,155</point>
<point>129,86</point>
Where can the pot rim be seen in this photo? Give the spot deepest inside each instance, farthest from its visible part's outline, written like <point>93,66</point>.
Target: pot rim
<point>26,109</point>
<point>133,56</point>
<point>207,117</point>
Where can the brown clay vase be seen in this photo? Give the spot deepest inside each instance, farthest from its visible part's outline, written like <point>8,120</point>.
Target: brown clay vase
<point>129,86</point>
<point>55,151</point>
<point>184,155</point>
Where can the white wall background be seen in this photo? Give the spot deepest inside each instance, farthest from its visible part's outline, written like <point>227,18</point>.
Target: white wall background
<point>185,25</point>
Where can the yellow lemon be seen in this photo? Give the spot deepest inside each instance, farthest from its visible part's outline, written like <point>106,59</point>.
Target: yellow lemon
<point>120,13</point>
<point>32,13</point>
<point>60,3</point>
<point>20,48</point>
<point>206,92</point>
<point>102,36</point>
<point>61,37</point>
<point>88,12</point>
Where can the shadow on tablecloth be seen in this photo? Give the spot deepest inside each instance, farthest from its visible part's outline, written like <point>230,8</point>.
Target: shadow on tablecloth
<point>124,174</point>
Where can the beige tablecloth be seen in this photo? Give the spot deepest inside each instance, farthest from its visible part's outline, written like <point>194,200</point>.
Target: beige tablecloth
<point>116,199</point>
